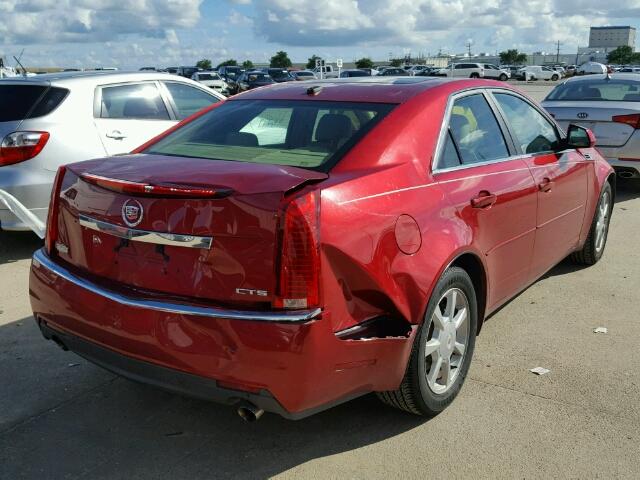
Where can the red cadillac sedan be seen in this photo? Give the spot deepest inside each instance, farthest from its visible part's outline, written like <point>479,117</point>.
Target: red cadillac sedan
<point>301,245</point>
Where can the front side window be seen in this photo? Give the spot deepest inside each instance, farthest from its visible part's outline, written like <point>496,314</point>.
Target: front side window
<point>139,101</point>
<point>308,134</point>
<point>475,130</point>
<point>189,100</point>
<point>533,132</point>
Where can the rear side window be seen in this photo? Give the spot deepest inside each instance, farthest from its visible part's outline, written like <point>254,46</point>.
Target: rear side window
<point>189,100</point>
<point>450,157</point>
<point>140,101</point>
<point>475,130</point>
<point>18,101</point>
<point>49,102</point>
<point>309,134</point>
<point>533,132</point>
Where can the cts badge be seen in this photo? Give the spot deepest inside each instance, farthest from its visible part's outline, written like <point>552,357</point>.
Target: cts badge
<point>251,291</point>
<point>132,213</point>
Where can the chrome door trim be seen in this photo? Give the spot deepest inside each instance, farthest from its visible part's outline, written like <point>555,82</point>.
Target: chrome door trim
<point>157,238</point>
<point>41,260</point>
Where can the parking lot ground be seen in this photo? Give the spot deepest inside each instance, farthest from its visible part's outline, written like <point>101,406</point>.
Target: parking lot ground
<point>61,417</point>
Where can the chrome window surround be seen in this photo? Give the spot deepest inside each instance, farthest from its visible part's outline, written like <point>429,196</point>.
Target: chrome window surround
<point>41,260</point>
<point>158,238</point>
<point>486,91</point>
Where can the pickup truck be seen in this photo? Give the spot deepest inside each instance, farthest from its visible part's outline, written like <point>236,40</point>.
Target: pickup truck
<point>327,71</point>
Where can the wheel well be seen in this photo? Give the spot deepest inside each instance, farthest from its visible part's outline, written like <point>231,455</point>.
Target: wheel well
<point>612,181</point>
<point>474,268</point>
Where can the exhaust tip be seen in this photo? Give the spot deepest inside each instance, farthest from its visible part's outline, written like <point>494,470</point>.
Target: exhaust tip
<point>249,412</point>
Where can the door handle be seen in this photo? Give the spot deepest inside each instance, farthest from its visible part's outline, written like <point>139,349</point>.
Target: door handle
<point>546,185</point>
<point>483,200</point>
<point>116,135</point>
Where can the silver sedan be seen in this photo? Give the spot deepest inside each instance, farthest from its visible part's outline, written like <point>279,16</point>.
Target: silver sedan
<point>51,120</point>
<point>609,105</point>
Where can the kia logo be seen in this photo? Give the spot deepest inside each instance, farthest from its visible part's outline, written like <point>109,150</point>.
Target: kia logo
<point>583,115</point>
<point>132,213</point>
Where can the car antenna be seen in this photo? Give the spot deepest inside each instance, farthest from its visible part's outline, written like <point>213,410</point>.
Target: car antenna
<point>315,90</point>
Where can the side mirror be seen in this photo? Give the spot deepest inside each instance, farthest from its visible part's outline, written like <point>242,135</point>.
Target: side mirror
<point>580,137</point>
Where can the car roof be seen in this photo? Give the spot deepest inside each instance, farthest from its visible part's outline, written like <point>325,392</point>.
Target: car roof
<point>102,76</point>
<point>360,89</point>
<point>602,76</point>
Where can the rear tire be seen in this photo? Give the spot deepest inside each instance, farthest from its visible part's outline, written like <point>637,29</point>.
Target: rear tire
<point>442,350</point>
<point>503,78</point>
<point>474,75</point>
<point>554,78</point>
<point>596,242</point>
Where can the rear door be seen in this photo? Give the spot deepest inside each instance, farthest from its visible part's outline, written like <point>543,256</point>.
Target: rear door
<point>492,190</point>
<point>128,115</point>
<point>560,177</point>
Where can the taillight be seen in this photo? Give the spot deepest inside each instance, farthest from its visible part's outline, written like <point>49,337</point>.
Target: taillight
<point>20,146</point>
<point>632,120</point>
<point>52,217</point>
<point>140,188</point>
<point>299,280</point>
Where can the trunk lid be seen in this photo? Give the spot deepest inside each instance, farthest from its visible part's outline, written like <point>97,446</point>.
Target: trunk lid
<point>242,222</point>
<point>598,119</point>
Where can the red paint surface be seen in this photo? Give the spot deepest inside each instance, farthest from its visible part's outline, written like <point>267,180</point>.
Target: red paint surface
<point>365,235</point>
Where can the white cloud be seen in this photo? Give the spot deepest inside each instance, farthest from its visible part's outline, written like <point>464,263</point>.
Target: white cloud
<point>418,23</point>
<point>49,21</point>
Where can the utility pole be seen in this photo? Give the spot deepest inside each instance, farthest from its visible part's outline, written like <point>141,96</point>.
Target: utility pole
<point>558,52</point>
<point>468,44</point>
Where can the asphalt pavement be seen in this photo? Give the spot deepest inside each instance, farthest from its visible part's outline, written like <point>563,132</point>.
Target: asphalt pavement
<point>61,417</point>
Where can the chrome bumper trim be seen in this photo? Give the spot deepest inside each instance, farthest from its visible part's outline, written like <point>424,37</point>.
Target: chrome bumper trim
<point>158,238</point>
<point>40,259</point>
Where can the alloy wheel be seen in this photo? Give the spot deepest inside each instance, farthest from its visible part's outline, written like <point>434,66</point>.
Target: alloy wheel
<point>447,340</point>
<point>602,223</point>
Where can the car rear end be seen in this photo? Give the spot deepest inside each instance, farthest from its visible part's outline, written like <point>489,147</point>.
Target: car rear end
<point>26,135</point>
<point>196,266</point>
<point>610,108</point>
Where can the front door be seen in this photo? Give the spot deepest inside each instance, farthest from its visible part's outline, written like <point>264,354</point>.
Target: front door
<point>560,177</point>
<point>129,115</point>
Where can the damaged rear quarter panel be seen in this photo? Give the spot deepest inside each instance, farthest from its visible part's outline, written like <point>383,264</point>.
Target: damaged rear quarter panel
<point>364,273</point>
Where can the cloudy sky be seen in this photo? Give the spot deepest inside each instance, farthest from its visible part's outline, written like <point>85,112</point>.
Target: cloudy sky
<point>135,33</point>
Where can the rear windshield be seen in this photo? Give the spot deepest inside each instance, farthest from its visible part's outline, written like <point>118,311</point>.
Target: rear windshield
<point>259,77</point>
<point>18,102</point>
<point>207,76</point>
<point>308,134</point>
<point>598,89</point>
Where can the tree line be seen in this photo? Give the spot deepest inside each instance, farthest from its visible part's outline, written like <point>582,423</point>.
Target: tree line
<point>281,60</point>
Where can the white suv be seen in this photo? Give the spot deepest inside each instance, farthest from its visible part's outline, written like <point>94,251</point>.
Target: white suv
<point>536,72</point>
<point>493,72</point>
<point>59,118</point>
<point>466,70</point>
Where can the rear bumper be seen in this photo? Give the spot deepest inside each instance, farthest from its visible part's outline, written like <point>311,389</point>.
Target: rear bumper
<point>288,363</point>
<point>633,167</point>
